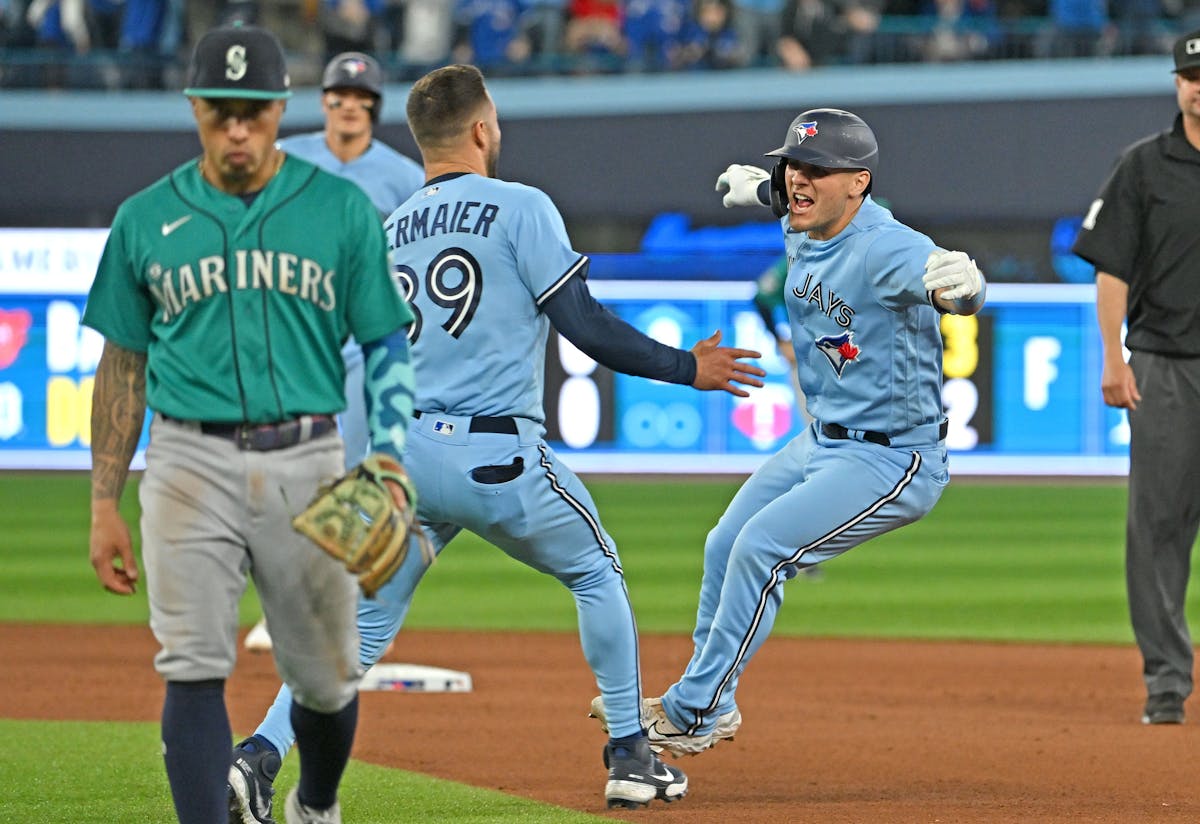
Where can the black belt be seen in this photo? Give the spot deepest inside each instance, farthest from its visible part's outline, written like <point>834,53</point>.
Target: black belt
<point>841,433</point>
<point>266,437</point>
<point>483,423</point>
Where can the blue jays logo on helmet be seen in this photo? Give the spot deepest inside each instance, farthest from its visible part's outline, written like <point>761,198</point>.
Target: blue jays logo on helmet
<point>805,130</point>
<point>839,349</point>
<point>354,67</point>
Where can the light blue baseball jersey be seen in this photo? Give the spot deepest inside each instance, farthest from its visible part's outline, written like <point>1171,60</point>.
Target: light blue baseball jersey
<point>387,176</point>
<point>868,347</point>
<point>868,354</point>
<point>477,257</point>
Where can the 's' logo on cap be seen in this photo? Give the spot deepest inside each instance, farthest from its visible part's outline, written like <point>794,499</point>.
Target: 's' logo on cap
<point>806,130</point>
<point>1192,46</point>
<point>235,62</point>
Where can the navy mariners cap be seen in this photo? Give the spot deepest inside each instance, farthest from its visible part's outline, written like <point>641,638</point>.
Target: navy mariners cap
<point>1187,52</point>
<point>238,61</point>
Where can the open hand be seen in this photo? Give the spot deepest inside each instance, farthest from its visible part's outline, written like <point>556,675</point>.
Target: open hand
<point>719,367</point>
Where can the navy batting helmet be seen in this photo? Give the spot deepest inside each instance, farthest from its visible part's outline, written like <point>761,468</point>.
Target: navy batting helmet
<point>355,70</point>
<point>829,138</point>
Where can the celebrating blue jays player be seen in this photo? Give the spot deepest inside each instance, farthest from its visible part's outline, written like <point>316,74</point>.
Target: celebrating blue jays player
<point>487,267</point>
<point>863,295</point>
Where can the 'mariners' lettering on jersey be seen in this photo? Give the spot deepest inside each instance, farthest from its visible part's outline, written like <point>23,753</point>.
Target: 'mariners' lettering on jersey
<point>254,269</point>
<point>469,217</point>
<point>827,302</point>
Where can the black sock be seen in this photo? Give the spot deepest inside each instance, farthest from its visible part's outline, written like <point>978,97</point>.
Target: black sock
<point>196,735</point>
<point>624,746</point>
<point>324,741</point>
<point>257,743</point>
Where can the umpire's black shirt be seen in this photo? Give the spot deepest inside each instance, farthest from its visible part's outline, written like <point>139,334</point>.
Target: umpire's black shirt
<point>1144,228</point>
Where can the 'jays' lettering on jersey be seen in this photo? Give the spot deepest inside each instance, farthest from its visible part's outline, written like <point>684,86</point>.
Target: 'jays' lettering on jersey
<point>187,266</point>
<point>868,346</point>
<point>476,257</point>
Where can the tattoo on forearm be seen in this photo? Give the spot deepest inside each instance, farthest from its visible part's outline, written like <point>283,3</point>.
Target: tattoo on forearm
<point>118,409</point>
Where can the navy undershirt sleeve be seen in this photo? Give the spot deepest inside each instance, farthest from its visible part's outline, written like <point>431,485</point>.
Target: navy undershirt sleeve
<point>612,342</point>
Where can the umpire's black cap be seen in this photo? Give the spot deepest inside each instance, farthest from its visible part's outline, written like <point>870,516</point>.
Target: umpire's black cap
<point>238,61</point>
<point>1187,52</point>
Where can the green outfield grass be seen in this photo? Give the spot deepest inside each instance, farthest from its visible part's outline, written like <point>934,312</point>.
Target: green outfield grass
<point>93,773</point>
<point>998,561</point>
<point>994,561</point>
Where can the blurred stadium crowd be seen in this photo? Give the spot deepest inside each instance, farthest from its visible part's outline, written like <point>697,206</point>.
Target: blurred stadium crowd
<point>144,44</point>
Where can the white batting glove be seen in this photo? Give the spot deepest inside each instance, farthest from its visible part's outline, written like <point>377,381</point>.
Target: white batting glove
<point>740,184</point>
<point>954,271</point>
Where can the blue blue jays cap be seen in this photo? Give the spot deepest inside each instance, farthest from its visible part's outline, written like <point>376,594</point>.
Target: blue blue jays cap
<point>238,61</point>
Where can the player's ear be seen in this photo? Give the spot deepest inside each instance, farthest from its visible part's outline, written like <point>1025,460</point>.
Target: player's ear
<point>862,180</point>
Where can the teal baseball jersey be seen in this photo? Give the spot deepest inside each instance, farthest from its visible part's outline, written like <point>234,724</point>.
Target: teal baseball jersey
<point>477,257</point>
<point>243,310</point>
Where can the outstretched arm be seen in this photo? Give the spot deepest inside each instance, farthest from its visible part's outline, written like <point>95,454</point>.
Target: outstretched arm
<point>118,410</point>
<point>615,344</point>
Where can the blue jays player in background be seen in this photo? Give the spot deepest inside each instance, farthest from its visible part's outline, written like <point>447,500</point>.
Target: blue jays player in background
<point>863,295</point>
<point>352,100</point>
<point>487,267</point>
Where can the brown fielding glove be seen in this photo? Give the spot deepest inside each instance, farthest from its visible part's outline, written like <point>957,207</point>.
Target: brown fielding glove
<point>356,520</point>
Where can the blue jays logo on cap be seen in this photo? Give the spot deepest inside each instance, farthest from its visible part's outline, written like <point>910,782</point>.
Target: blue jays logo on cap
<point>354,67</point>
<point>839,349</point>
<point>806,130</point>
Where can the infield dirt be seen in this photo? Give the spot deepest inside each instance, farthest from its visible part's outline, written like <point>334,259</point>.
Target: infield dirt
<point>834,731</point>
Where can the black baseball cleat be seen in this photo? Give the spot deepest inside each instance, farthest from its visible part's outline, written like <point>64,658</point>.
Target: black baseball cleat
<point>636,776</point>
<point>1163,708</point>
<point>251,776</point>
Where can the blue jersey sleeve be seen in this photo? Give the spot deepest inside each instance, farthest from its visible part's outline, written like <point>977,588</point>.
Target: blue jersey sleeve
<point>544,256</point>
<point>895,264</point>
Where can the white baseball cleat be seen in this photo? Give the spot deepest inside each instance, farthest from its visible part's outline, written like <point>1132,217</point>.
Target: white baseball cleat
<point>664,736</point>
<point>258,639</point>
<point>298,813</point>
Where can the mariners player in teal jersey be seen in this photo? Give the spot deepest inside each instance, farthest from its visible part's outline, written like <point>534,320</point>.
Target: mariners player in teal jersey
<point>863,294</point>
<point>224,294</point>
<point>488,268</point>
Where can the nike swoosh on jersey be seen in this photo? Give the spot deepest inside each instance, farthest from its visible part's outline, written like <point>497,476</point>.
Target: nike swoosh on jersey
<point>167,228</point>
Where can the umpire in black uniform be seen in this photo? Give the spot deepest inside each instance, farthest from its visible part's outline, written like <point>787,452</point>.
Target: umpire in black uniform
<point>1143,235</point>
